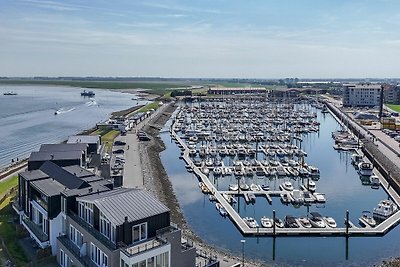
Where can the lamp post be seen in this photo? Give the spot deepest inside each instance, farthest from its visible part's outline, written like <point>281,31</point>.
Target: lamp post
<point>243,241</point>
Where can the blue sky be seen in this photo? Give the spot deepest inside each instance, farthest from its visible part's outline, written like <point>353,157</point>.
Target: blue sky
<point>202,38</point>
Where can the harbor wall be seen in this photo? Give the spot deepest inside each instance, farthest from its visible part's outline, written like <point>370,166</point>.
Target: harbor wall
<point>389,170</point>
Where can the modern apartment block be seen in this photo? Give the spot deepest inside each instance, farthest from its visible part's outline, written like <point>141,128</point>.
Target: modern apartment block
<point>87,222</point>
<point>391,94</point>
<point>361,95</point>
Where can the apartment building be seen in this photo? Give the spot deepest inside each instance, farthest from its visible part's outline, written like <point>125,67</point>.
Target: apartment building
<point>88,222</point>
<point>361,95</point>
<point>391,94</point>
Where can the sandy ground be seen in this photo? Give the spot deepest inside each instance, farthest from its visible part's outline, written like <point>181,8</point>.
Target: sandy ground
<point>156,181</point>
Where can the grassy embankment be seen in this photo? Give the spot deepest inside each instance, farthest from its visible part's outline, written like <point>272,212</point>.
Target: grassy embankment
<point>394,107</point>
<point>8,230</point>
<point>107,136</point>
<point>153,105</point>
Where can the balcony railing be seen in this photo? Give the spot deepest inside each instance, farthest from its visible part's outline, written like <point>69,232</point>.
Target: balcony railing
<point>36,229</point>
<point>143,247</point>
<point>41,202</point>
<point>16,205</point>
<point>68,244</point>
<point>95,233</point>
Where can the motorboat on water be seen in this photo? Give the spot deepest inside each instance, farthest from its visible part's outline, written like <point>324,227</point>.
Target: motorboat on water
<point>316,220</point>
<point>308,197</point>
<point>304,221</point>
<point>319,197</point>
<point>279,223</point>
<point>375,183</point>
<point>365,168</point>
<point>356,159</point>
<point>298,196</point>
<point>385,209</point>
<point>311,186</point>
<point>244,186</point>
<point>10,93</point>
<point>287,186</point>
<point>366,219</point>
<point>265,187</point>
<point>330,222</point>
<point>87,93</point>
<point>254,187</point>
<point>290,221</point>
<point>251,222</point>
<point>233,187</point>
<point>221,209</point>
<point>266,222</point>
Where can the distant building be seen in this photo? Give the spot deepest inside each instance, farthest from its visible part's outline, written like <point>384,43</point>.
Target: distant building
<point>391,94</point>
<point>361,95</point>
<point>237,91</point>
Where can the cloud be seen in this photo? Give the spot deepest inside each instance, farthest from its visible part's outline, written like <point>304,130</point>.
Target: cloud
<point>53,5</point>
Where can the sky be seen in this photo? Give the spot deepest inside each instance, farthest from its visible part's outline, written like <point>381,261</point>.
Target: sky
<point>201,38</point>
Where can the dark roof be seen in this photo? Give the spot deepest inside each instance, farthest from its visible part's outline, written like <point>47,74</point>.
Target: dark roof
<point>78,171</point>
<point>48,187</point>
<point>55,155</point>
<point>62,147</point>
<point>33,175</point>
<point>86,139</point>
<point>95,187</point>
<point>119,203</point>
<point>62,176</point>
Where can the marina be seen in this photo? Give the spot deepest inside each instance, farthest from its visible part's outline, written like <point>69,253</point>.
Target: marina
<point>205,153</point>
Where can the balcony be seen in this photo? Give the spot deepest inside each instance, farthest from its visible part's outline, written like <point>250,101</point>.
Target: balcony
<point>35,229</point>
<point>143,247</point>
<point>96,234</point>
<point>41,202</point>
<point>74,250</point>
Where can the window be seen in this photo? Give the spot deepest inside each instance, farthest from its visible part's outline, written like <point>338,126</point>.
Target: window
<point>139,232</point>
<point>65,261</point>
<point>162,260</point>
<point>106,228</point>
<point>85,211</point>
<point>75,236</point>
<point>98,256</point>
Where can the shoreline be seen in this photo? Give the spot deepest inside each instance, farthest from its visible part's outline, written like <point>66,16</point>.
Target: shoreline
<point>156,181</point>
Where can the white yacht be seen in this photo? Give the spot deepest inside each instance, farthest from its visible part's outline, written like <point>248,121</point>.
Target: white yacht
<point>298,196</point>
<point>266,222</point>
<point>330,222</point>
<point>319,197</point>
<point>287,186</point>
<point>385,209</point>
<point>366,219</point>
<point>365,168</point>
<point>311,186</point>
<point>356,159</point>
<point>252,223</point>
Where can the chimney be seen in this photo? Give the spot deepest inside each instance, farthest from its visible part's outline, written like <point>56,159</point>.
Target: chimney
<point>126,219</point>
<point>90,190</point>
<point>52,156</point>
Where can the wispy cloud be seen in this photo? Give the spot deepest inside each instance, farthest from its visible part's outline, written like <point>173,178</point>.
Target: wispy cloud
<point>53,5</point>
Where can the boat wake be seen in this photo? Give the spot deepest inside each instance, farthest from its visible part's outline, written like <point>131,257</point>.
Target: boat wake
<point>63,110</point>
<point>92,102</point>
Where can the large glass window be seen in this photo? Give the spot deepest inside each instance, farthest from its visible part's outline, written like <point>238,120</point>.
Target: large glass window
<point>98,256</point>
<point>85,211</point>
<point>65,261</point>
<point>75,236</point>
<point>162,260</point>
<point>139,232</point>
<point>106,228</point>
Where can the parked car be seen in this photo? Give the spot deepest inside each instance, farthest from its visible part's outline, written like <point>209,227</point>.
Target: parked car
<point>119,143</point>
<point>118,151</point>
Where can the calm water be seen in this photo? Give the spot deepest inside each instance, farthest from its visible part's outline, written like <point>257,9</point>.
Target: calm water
<point>27,120</point>
<point>339,181</point>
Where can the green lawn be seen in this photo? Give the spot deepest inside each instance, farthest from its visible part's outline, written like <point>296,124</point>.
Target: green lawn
<point>394,107</point>
<point>148,107</point>
<point>8,184</point>
<point>108,139</point>
<point>9,234</point>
